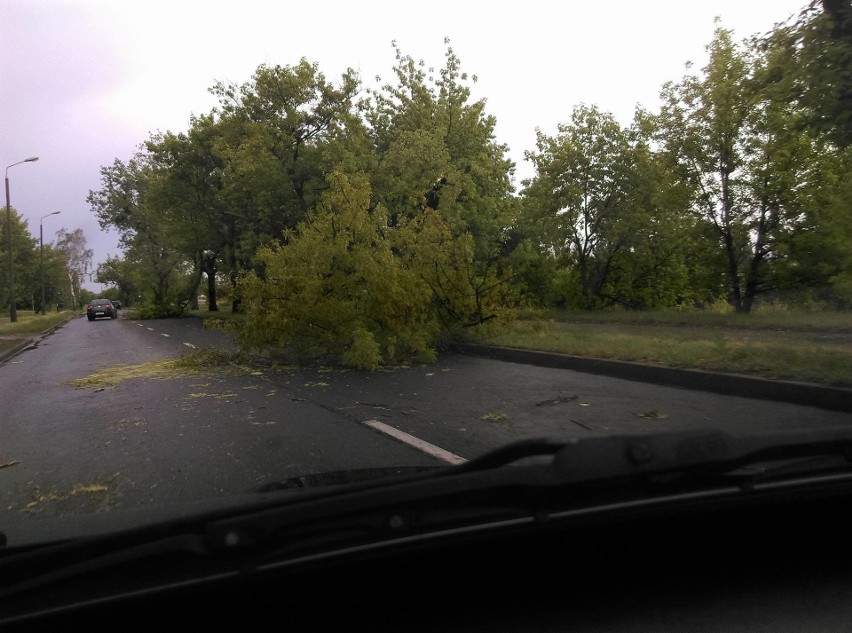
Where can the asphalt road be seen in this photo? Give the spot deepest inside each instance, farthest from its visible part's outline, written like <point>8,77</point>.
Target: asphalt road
<point>69,451</point>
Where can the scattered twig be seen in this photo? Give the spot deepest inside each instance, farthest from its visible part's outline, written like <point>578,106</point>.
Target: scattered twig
<point>653,415</point>
<point>559,400</point>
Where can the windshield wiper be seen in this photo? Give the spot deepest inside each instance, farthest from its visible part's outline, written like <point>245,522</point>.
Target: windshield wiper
<point>693,452</point>
<point>482,494</point>
<point>705,452</point>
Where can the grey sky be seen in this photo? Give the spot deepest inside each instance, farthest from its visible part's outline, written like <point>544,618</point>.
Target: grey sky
<point>83,82</point>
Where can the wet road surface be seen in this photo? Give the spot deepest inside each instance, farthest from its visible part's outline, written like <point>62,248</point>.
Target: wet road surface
<point>71,450</point>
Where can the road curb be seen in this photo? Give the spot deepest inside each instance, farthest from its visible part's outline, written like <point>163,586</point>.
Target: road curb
<point>29,341</point>
<point>812,395</point>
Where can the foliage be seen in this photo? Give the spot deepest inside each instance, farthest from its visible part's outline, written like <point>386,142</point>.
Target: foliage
<point>148,309</point>
<point>129,201</point>
<point>811,61</point>
<point>753,170</point>
<point>60,262</point>
<point>367,231</point>
<point>78,260</point>
<point>436,153</point>
<point>120,273</point>
<point>436,149</point>
<point>25,260</point>
<point>337,288</point>
<point>604,209</point>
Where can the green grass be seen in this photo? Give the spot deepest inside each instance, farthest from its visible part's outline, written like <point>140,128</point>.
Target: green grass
<point>766,318</point>
<point>808,347</point>
<point>29,323</point>
<point>223,320</point>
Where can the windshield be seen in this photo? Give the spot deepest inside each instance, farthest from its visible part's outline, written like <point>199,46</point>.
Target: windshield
<point>381,243</point>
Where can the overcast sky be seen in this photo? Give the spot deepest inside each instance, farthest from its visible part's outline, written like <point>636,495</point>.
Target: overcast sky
<point>83,82</point>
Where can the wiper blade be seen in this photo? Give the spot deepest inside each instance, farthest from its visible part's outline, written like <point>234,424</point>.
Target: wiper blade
<point>508,454</point>
<point>344,477</point>
<point>587,459</point>
<point>482,492</point>
<point>692,452</point>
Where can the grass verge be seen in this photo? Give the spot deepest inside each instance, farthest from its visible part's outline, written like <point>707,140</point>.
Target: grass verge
<point>29,323</point>
<point>807,348</point>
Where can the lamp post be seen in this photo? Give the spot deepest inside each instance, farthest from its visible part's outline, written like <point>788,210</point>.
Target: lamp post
<point>41,253</point>
<point>13,313</point>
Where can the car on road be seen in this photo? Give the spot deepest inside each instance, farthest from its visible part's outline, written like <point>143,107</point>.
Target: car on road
<point>101,308</point>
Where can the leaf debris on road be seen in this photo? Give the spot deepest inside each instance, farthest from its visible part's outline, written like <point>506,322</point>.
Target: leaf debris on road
<point>497,416</point>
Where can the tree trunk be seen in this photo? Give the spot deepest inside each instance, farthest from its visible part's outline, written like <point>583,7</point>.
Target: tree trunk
<point>212,306</point>
<point>208,265</point>
<point>193,290</point>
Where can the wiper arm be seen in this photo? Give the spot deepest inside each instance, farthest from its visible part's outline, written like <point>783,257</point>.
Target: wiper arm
<point>692,452</point>
<point>588,459</point>
<point>507,454</point>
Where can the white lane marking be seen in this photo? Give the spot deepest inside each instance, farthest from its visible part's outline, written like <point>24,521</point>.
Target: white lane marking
<point>166,335</point>
<point>190,345</point>
<point>150,329</point>
<point>140,325</point>
<point>416,442</point>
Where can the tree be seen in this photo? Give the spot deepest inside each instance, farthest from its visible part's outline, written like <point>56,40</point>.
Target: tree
<point>604,209</point>
<point>437,150</point>
<point>119,273</point>
<point>339,287</point>
<point>25,260</point>
<point>280,134</point>
<point>56,287</point>
<point>752,168</point>
<point>78,259</point>
<point>436,154</point>
<point>817,262</point>
<point>145,232</point>
<point>187,193</point>
<point>346,286</point>
<point>576,197</point>
<point>812,62</point>
<point>809,67</point>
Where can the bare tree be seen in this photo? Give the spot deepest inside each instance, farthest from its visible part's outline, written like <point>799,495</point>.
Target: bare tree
<point>78,258</point>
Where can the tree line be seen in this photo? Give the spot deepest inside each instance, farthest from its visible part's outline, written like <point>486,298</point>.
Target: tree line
<point>367,224</point>
<point>65,262</point>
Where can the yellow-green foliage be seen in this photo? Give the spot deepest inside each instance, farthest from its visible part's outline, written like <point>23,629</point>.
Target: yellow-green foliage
<point>337,289</point>
<point>346,286</point>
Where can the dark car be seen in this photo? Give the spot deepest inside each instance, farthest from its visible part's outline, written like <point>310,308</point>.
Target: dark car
<point>101,308</point>
<point>116,304</point>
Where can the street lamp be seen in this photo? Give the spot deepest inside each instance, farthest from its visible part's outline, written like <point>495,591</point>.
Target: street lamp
<point>13,313</point>
<point>41,253</point>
